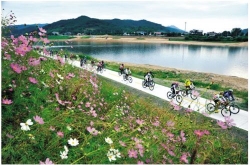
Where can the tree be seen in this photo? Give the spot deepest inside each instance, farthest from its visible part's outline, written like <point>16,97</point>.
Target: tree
<point>236,31</point>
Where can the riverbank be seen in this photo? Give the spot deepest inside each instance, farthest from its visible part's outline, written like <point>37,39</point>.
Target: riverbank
<point>227,81</point>
<point>159,40</point>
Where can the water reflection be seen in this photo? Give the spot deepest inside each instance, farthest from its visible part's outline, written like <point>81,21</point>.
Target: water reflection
<point>214,59</point>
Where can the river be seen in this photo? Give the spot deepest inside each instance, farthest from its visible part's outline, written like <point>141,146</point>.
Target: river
<point>231,61</point>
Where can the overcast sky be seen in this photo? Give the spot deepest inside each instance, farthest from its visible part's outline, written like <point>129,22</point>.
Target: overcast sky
<point>206,15</point>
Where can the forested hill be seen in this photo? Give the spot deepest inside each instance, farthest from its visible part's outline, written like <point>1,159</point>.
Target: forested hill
<point>87,25</point>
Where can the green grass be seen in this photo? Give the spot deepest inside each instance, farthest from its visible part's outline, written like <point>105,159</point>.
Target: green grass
<point>85,37</point>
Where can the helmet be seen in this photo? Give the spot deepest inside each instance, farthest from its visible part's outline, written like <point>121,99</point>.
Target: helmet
<point>230,90</point>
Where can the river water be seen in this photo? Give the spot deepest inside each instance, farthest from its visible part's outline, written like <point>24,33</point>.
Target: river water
<point>232,61</point>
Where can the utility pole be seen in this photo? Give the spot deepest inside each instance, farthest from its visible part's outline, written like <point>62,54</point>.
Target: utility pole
<point>185,26</point>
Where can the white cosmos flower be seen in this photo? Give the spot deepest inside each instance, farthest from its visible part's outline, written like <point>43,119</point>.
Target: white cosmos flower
<point>73,142</point>
<point>108,140</point>
<point>66,149</point>
<point>111,156</point>
<point>58,75</point>
<point>64,154</point>
<point>25,126</point>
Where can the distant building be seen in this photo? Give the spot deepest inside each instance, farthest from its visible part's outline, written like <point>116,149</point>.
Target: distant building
<point>55,33</point>
<point>140,33</point>
<point>157,33</point>
<point>196,32</point>
<point>211,34</point>
<point>67,33</point>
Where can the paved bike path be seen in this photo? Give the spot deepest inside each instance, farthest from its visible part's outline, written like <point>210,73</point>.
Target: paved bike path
<point>198,105</point>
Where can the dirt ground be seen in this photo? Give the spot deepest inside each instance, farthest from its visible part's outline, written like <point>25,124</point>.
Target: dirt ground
<point>142,39</point>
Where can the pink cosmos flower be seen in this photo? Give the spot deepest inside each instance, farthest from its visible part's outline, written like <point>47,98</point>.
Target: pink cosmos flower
<point>42,30</point>
<point>32,39</point>
<point>183,136</point>
<point>199,133</point>
<point>87,104</point>
<point>171,152</point>
<point>60,134</point>
<point>7,56</point>
<point>34,62</point>
<point>38,119</point>
<point>71,75</point>
<point>140,162</point>
<point>15,67</point>
<point>58,100</point>
<point>45,52</point>
<point>33,80</point>
<point>177,107</point>
<point>170,123</point>
<point>92,131</point>
<point>140,122</point>
<point>6,101</point>
<point>222,124</point>
<point>45,40</point>
<point>122,143</point>
<point>47,161</point>
<point>156,123</point>
<point>132,153</point>
<point>183,158</point>
<point>60,59</point>
<point>229,121</point>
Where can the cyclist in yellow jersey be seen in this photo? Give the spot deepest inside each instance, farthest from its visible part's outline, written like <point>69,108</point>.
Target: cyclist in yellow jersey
<point>188,83</point>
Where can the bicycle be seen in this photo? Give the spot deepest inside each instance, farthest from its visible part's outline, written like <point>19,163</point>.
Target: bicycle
<point>99,69</point>
<point>186,92</point>
<point>129,78</point>
<point>177,96</point>
<point>149,84</point>
<point>233,107</point>
<point>224,110</point>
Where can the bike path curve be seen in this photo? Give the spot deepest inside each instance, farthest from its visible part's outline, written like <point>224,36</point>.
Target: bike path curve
<point>198,105</point>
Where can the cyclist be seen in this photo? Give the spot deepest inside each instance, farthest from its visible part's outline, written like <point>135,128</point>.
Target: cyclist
<point>174,87</point>
<point>148,76</point>
<point>99,66</point>
<point>102,63</point>
<point>85,60</point>
<point>127,72</point>
<point>218,100</point>
<point>121,68</point>
<point>229,95</point>
<point>189,85</point>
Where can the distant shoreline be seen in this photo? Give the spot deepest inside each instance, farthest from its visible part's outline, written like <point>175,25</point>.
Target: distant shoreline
<point>158,40</point>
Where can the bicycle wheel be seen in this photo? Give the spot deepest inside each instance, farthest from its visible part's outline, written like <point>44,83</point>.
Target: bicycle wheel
<point>101,70</point>
<point>193,96</point>
<point>169,95</point>
<point>151,87</point>
<point>178,98</point>
<point>225,112</point>
<point>183,93</point>
<point>124,77</point>
<point>130,79</point>
<point>144,84</point>
<point>210,107</point>
<point>152,83</point>
<point>234,109</point>
<point>119,73</point>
